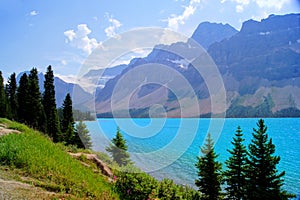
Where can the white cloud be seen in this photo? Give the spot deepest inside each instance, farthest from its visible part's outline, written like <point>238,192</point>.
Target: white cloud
<point>80,38</point>
<point>70,34</point>
<point>114,25</point>
<point>68,78</point>
<point>33,13</point>
<point>240,4</point>
<point>134,53</point>
<point>64,62</point>
<point>239,8</point>
<point>262,15</point>
<point>175,20</point>
<point>271,3</point>
<point>84,83</point>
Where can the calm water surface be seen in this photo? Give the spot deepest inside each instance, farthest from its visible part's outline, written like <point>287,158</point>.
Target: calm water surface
<point>169,147</point>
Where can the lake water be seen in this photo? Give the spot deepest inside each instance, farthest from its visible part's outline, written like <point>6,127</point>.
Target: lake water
<point>169,147</point>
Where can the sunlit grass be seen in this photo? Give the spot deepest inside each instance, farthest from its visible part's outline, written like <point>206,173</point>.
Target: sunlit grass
<point>41,159</point>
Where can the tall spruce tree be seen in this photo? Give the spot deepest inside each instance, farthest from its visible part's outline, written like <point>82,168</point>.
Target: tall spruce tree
<point>11,91</point>
<point>67,121</point>
<point>235,175</point>
<point>3,105</point>
<point>264,181</point>
<point>36,116</point>
<point>209,172</point>
<point>82,137</point>
<point>23,99</point>
<point>118,149</point>
<point>49,104</point>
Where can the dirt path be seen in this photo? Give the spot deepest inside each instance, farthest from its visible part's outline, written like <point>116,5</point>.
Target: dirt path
<point>11,189</point>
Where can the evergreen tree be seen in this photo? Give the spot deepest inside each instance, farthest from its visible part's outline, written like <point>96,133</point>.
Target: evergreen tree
<point>49,104</point>
<point>23,99</point>
<point>82,137</point>
<point>11,91</point>
<point>209,172</point>
<point>264,180</point>
<point>2,98</point>
<point>36,116</point>
<point>118,149</point>
<point>7,106</point>
<point>67,121</point>
<point>235,175</point>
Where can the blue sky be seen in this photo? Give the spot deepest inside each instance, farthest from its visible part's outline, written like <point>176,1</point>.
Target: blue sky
<point>63,33</point>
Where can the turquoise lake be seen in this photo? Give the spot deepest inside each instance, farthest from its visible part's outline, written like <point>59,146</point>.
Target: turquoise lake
<point>168,148</point>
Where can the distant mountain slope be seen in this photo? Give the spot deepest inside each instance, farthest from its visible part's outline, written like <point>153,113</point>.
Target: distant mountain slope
<point>260,67</point>
<point>61,90</point>
<point>270,47</point>
<point>208,33</point>
<point>263,58</point>
<point>101,76</point>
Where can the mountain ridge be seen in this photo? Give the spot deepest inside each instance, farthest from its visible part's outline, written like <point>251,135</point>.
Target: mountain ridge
<point>208,33</point>
<point>261,61</point>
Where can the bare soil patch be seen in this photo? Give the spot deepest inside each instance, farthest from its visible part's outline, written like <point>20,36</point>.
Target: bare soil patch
<point>4,130</point>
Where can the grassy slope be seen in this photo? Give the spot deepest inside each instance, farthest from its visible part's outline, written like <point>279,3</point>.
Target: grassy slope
<point>35,156</point>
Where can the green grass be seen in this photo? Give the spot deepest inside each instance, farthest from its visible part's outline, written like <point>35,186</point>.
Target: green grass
<point>36,156</point>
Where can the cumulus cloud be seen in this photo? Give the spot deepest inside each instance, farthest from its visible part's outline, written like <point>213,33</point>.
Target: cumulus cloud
<point>80,38</point>
<point>262,15</point>
<point>240,4</point>
<point>114,26</point>
<point>175,20</point>
<point>33,13</point>
<point>239,8</point>
<point>64,62</point>
<point>271,3</point>
<point>69,78</point>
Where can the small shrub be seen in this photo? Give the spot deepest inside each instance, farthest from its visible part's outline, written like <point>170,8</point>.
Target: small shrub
<point>132,183</point>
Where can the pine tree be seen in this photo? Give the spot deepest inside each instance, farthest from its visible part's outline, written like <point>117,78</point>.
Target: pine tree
<point>11,91</point>
<point>264,181</point>
<point>3,104</point>
<point>36,116</point>
<point>118,149</point>
<point>7,107</point>
<point>235,175</point>
<point>49,104</point>
<point>209,172</point>
<point>67,121</point>
<point>82,137</point>
<point>23,99</point>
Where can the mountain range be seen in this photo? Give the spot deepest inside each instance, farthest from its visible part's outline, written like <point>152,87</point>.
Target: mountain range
<point>259,66</point>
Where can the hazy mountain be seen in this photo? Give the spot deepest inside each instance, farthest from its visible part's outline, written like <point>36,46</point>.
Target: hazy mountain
<point>208,33</point>
<point>113,71</point>
<point>61,90</point>
<point>101,76</point>
<point>260,67</point>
